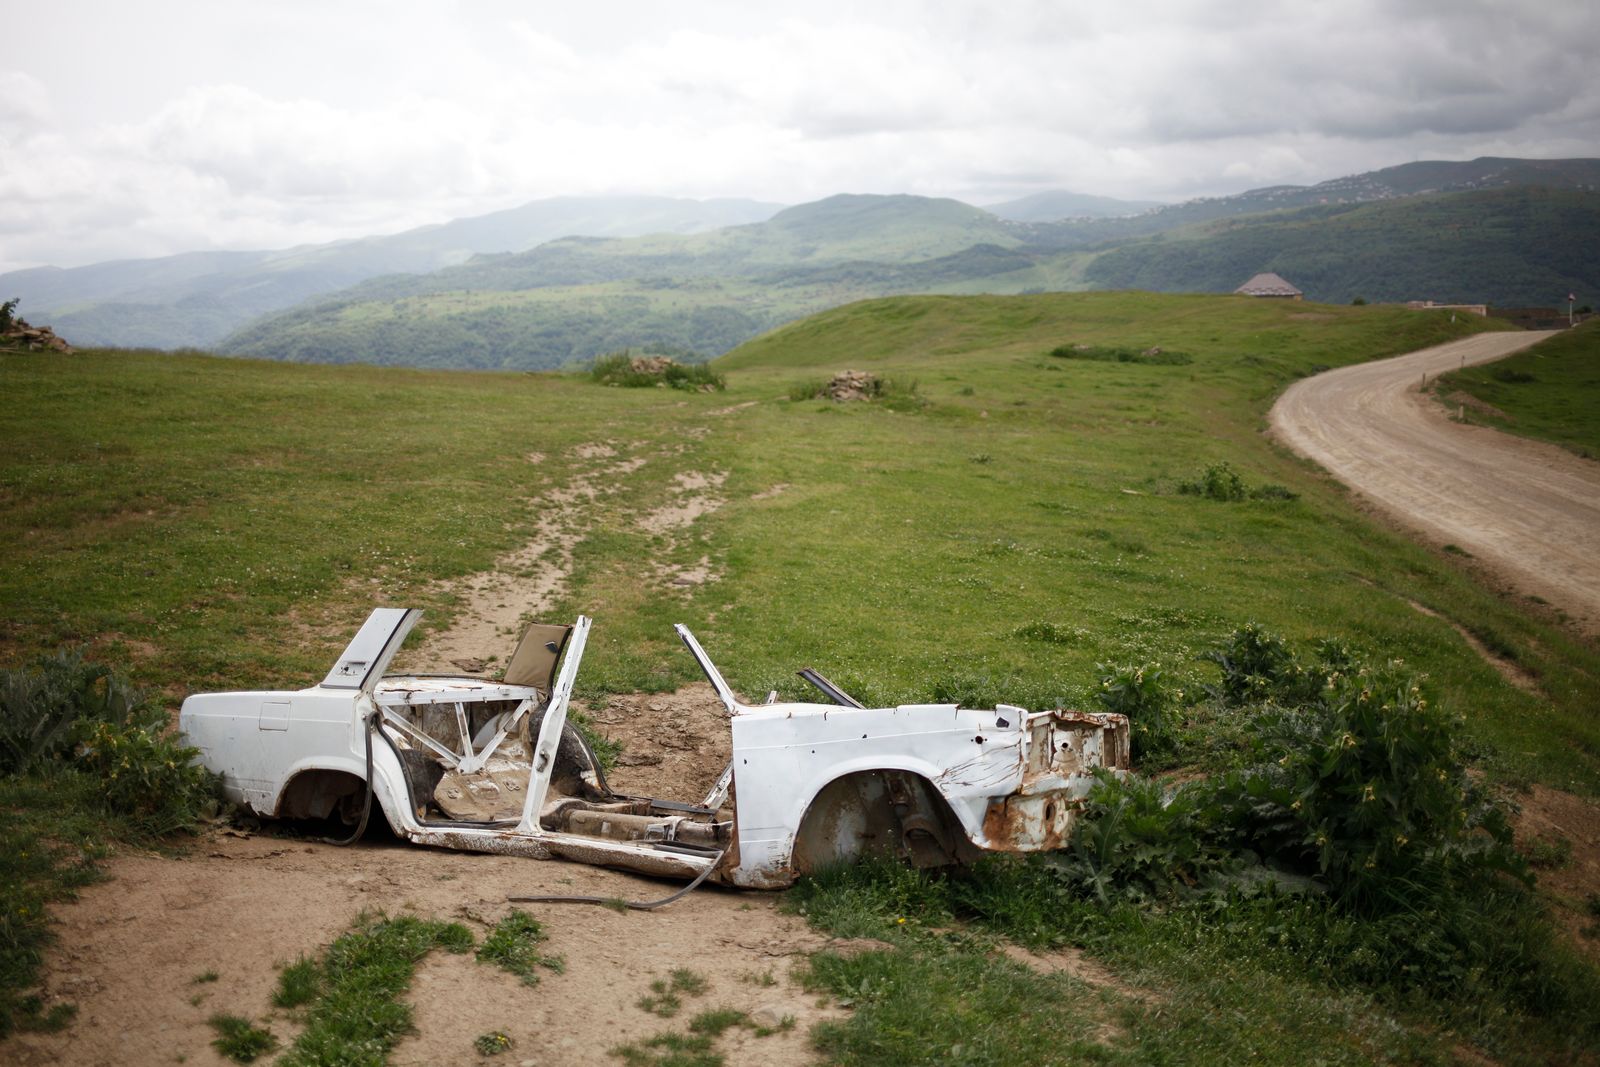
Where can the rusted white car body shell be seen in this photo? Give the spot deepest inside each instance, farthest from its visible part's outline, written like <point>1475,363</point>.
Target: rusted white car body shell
<point>809,783</point>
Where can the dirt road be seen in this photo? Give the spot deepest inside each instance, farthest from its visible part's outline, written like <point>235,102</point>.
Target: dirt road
<point>1528,510</point>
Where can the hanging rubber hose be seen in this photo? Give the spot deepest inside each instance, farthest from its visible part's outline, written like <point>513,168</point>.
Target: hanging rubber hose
<point>366,806</point>
<point>632,905</point>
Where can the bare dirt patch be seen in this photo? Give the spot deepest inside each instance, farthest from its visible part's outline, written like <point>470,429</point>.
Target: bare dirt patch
<point>1460,400</point>
<point>1549,817</point>
<point>694,494</point>
<point>131,948</point>
<point>1073,963</point>
<point>674,745</point>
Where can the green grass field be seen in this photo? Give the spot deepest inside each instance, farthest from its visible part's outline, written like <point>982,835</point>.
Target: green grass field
<point>1001,523</point>
<point>1548,391</point>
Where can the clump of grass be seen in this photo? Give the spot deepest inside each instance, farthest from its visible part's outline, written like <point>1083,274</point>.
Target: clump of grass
<point>807,389</point>
<point>1220,481</point>
<point>1050,633</point>
<point>513,946</point>
<point>638,372</point>
<point>697,1048</point>
<point>204,976</point>
<point>492,1043</point>
<point>782,1026</point>
<point>239,1039</point>
<point>1122,354</point>
<point>298,984</point>
<point>1548,853</point>
<point>929,1002</point>
<point>715,1021</point>
<point>358,1014</point>
<point>666,994</point>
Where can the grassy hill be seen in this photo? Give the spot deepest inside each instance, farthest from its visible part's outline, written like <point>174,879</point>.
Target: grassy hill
<point>1002,523</point>
<point>1515,247</point>
<point>1022,489</point>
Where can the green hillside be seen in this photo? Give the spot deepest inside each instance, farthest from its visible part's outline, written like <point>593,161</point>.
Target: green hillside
<point>1550,392</point>
<point>1513,247</point>
<point>1002,524</point>
<point>197,298</point>
<point>574,299</point>
<point>239,473</point>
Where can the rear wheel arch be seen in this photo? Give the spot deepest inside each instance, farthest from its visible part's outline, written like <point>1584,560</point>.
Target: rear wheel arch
<point>321,792</point>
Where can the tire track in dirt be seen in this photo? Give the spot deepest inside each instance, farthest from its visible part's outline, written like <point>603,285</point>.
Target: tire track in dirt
<point>1528,511</point>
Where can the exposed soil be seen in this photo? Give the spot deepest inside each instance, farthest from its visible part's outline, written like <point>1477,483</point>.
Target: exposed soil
<point>1529,512</point>
<point>241,903</point>
<point>674,745</point>
<point>1571,877</point>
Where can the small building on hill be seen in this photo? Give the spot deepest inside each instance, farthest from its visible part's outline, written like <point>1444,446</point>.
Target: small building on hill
<point>1269,284</point>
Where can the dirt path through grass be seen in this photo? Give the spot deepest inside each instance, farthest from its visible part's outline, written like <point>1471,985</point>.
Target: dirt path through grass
<point>1528,511</point>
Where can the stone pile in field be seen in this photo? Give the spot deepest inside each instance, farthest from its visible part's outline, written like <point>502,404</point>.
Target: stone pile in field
<point>853,385</point>
<point>20,336</point>
<point>655,366</point>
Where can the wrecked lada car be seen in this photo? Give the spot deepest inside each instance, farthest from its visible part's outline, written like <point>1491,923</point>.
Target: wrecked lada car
<point>494,766</point>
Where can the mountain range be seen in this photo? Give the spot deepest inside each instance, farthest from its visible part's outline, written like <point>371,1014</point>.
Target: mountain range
<point>562,280</point>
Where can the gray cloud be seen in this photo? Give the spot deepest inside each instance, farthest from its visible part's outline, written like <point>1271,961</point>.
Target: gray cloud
<point>186,125</point>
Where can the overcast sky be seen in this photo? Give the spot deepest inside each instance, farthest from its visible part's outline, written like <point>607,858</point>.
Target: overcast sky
<point>159,126</point>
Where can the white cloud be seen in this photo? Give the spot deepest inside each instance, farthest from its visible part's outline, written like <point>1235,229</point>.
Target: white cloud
<point>194,125</point>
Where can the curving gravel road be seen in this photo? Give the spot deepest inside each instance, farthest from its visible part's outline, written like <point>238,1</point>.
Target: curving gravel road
<point>1528,510</point>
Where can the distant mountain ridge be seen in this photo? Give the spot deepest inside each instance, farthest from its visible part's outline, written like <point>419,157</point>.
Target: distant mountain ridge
<point>196,298</point>
<point>1057,204</point>
<point>566,278</point>
<point>569,300</point>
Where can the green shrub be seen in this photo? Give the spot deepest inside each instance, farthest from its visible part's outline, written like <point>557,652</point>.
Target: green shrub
<point>45,709</point>
<point>1254,665</point>
<point>1137,692</point>
<point>1122,354</point>
<point>1221,482</point>
<point>1217,482</point>
<point>1356,781</point>
<point>146,776</point>
<point>1138,842</point>
<point>630,371</point>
